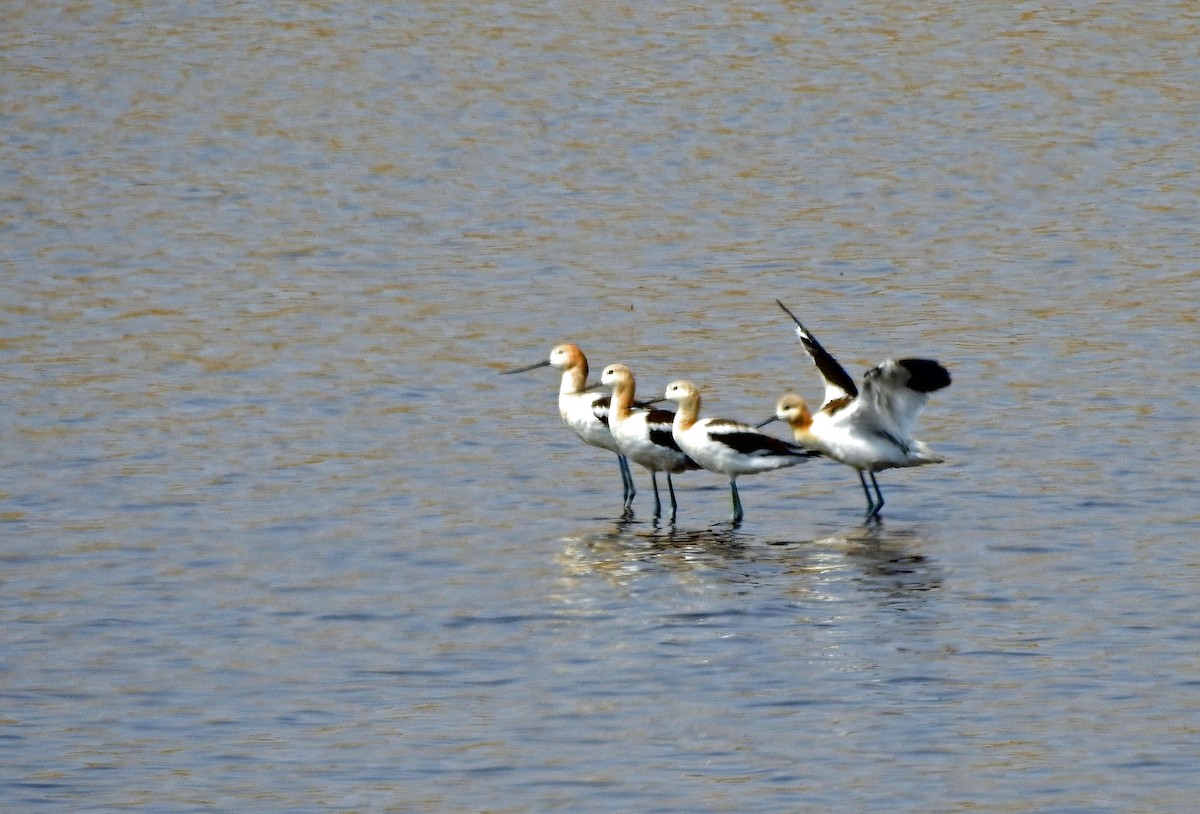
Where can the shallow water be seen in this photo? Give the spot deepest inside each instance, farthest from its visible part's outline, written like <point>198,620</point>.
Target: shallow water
<point>276,536</point>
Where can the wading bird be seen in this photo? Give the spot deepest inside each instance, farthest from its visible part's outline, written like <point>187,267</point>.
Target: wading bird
<point>727,447</point>
<point>584,411</point>
<point>644,436</point>
<point>869,429</point>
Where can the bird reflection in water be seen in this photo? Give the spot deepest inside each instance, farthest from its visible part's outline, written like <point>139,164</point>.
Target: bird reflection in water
<point>887,562</point>
<point>877,559</point>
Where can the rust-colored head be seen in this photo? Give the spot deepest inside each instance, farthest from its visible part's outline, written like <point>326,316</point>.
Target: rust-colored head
<point>794,410</point>
<point>687,397</point>
<point>620,379</point>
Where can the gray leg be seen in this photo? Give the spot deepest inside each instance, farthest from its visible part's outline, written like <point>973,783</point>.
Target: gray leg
<point>628,490</point>
<point>878,494</point>
<point>737,502</point>
<point>866,491</point>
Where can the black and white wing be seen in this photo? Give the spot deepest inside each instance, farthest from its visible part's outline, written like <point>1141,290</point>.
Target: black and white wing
<point>746,440</point>
<point>659,423</point>
<point>895,391</point>
<point>600,407</point>
<point>838,383</point>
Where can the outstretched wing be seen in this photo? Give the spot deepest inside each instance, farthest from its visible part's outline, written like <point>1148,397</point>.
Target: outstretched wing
<point>838,383</point>
<point>895,391</point>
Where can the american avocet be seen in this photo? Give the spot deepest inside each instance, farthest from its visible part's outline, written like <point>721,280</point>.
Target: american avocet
<point>585,412</point>
<point>727,447</point>
<point>869,430</point>
<point>644,436</point>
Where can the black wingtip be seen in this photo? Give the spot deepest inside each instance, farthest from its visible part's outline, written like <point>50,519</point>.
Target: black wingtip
<point>793,316</point>
<point>833,372</point>
<point>925,375</point>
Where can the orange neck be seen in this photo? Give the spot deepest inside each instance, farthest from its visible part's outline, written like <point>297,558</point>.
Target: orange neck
<point>688,412</point>
<point>622,399</point>
<point>803,420</point>
<point>574,379</point>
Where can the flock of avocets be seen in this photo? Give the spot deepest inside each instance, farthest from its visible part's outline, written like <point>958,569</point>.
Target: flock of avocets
<point>867,428</point>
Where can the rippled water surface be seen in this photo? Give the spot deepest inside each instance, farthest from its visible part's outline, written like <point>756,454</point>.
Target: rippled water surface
<point>275,535</point>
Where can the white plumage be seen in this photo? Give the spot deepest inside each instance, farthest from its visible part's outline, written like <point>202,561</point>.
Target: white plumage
<point>644,436</point>
<point>869,429</point>
<point>584,411</point>
<point>730,448</point>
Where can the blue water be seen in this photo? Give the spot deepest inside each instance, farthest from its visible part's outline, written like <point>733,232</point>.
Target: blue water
<point>275,535</point>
